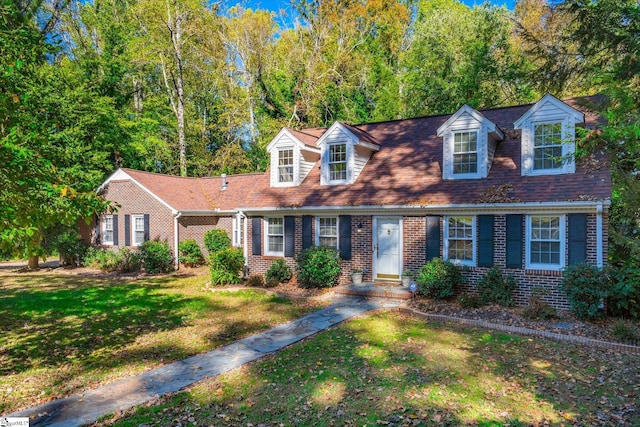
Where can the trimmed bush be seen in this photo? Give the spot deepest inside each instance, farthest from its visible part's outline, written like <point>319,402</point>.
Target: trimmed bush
<point>624,299</point>
<point>470,301</point>
<point>626,333</point>
<point>494,287</point>
<point>271,283</point>
<point>216,240</point>
<point>102,259</point>
<point>130,261</point>
<point>586,287</point>
<point>70,247</point>
<point>226,266</point>
<point>318,267</point>
<point>255,281</point>
<point>438,278</point>
<point>279,271</point>
<point>190,253</point>
<point>156,256</point>
<point>537,308</point>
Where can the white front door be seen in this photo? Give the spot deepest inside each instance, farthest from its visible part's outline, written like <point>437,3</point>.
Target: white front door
<point>387,242</point>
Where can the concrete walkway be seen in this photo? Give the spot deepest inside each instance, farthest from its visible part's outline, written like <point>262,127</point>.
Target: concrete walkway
<point>89,406</point>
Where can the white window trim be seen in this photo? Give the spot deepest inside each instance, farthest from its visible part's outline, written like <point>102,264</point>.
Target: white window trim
<point>238,234</point>
<point>452,139</point>
<point>275,160</point>
<point>266,237</point>
<point>293,165</point>
<point>317,230</point>
<point>133,229</point>
<point>347,153</point>
<point>474,240</point>
<point>568,147</point>
<point>103,228</point>
<point>536,266</point>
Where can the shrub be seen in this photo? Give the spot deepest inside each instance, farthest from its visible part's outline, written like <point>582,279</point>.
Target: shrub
<point>103,259</point>
<point>271,283</point>
<point>70,247</point>
<point>494,287</point>
<point>156,256</point>
<point>624,299</point>
<point>279,271</point>
<point>438,278</point>
<point>190,253</point>
<point>469,301</point>
<point>226,266</point>
<point>255,281</point>
<point>216,240</point>
<point>318,267</point>
<point>538,308</point>
<point>625,332</point>
<point>586,286</point>
<point>129,261</point>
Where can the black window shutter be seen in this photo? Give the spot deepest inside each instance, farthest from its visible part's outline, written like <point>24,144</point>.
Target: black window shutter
<point>146,227</point>
<point>514,241</point>
<point>307,235</point>
<point>577,238</point>
<point>256,236</point>
<point>485,240</point>
<point>433,237</point>
<point>289,235</point>
<point>344,223</point>
<point>98,228</point>
<point>127,230</point>
<point>115,230</point>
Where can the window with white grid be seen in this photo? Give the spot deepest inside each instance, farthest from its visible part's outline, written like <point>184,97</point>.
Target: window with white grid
<point>338,162</point>
<point>459,239</point>
<point>465,153</point>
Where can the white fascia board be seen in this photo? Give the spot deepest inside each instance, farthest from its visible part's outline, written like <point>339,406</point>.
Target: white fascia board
<point>122,175</point>
<point>476,115</point>
<point>337,125</point>
<point>300,144</point>
<point>471,209</point>
<point>548,98</point>
<point>213,212</point>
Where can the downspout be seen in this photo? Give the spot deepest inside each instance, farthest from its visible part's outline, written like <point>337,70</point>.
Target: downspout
<point>176,239</point>
<point>245,245</point>
<point>599,237</point>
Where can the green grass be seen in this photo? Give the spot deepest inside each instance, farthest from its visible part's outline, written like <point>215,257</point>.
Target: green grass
<point>391,369</point>
<point>61,334</point>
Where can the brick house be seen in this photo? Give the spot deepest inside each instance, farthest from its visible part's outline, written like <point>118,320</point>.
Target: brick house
<point>498,187</point>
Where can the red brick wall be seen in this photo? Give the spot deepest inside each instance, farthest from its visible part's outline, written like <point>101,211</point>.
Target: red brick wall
<point>194,227</point>
<point>131,200</point>
<point>414,243</point>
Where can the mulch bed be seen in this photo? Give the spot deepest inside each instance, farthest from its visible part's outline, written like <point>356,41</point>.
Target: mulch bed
<point>565,323</point>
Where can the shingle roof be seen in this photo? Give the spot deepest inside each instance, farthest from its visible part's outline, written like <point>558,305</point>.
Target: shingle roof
<point>406,171</point>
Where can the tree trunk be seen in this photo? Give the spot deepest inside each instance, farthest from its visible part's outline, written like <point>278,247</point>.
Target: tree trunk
<point>32,264</point>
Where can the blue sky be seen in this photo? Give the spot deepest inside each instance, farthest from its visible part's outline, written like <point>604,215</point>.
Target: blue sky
<point>276,5</point>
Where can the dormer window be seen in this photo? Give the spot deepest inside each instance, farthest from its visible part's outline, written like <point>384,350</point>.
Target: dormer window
<point>547,146</point>
<point>291,158</point>
<point>337,162</point>
<point>465,153</point>
<point>548,137</point>
<point>469,141</point>
<point>285,165</point>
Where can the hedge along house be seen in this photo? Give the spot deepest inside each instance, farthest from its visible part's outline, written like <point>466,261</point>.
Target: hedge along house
<point>498,187</point>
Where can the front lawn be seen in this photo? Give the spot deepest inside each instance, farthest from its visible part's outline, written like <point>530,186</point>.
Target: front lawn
<point>392,369</point>
<point>61,333</point>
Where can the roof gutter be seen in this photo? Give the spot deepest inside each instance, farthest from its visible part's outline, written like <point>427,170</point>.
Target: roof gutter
<point>212,212</point>
<point>470,208</point>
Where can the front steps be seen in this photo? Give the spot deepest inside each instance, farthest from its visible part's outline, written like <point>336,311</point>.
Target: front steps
<point>375,290</point>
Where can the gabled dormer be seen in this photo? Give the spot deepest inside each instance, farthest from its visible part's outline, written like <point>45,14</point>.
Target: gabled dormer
<point>469,142</point>
<point>548,137</point>
<point>344,151</point>
<point>292,157</point>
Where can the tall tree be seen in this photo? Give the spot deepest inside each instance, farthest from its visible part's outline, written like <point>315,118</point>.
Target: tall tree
<point>175,35</point>
<point>462,55</point>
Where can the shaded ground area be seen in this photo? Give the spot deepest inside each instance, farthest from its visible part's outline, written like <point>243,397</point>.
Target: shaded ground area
<point>394,369</point>
<point>64,333</point>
